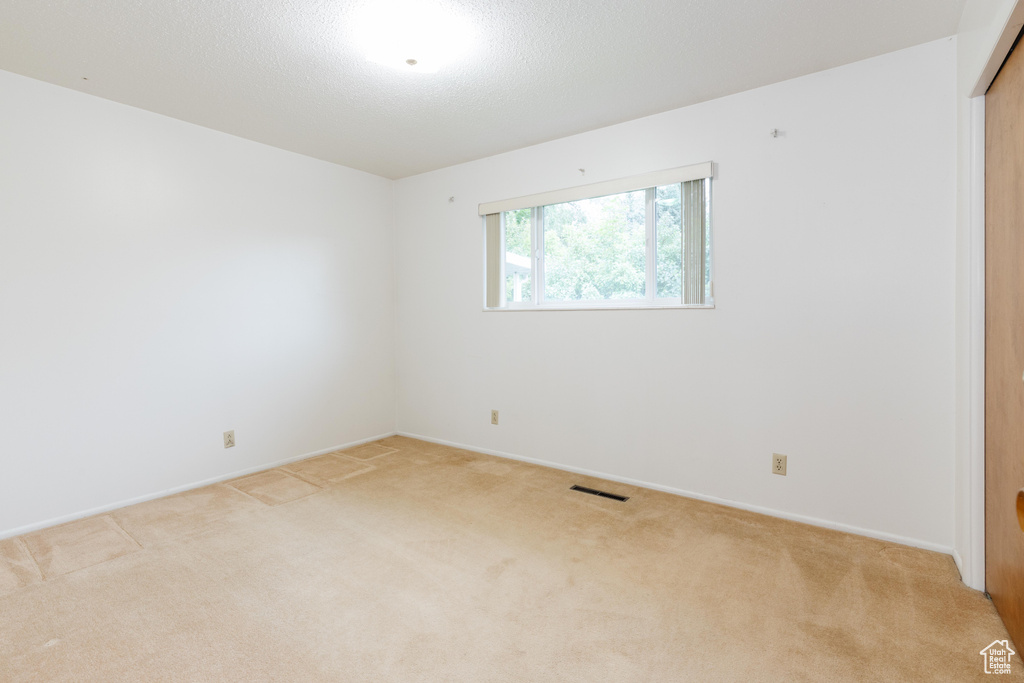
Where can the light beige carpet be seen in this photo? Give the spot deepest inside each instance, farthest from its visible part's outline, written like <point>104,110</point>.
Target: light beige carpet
<point>408,561</point>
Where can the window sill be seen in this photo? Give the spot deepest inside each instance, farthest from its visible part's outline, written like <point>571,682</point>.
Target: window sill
<point>598,307</point>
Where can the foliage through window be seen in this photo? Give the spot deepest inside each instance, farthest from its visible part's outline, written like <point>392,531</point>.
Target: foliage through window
<point>645,247</point>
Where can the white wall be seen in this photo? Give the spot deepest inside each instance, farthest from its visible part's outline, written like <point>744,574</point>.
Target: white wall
<point>987,29</point>
<point>833,337</point>
<point>161,283</point>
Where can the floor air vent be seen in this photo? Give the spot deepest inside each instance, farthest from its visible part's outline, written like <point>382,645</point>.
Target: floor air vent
<point>595,492</point>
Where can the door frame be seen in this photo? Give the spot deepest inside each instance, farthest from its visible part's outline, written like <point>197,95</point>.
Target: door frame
<point>972,567</point>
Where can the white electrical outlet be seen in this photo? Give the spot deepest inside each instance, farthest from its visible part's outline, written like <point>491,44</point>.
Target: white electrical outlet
<point>778,464</point>
<point>229,439</point>
<point>494,417</point>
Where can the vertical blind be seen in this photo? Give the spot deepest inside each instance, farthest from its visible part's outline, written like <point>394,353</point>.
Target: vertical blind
<point>495,260</point>
<point>694,236</point>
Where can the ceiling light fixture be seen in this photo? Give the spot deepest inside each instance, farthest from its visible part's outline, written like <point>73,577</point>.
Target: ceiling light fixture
<point>411,35</point>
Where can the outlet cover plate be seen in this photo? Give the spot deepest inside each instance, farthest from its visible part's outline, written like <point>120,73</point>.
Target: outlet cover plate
<point>778,464</point>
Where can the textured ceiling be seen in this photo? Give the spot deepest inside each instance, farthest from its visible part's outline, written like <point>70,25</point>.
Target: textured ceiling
<point>289,73</point>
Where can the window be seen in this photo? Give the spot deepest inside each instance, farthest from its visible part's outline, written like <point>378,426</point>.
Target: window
<point>619,244</point>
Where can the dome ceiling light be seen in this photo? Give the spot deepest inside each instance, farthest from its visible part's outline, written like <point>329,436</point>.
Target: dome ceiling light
<point>410,35</point>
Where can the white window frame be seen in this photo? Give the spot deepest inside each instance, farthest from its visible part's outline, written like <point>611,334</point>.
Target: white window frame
<point>649,183</point>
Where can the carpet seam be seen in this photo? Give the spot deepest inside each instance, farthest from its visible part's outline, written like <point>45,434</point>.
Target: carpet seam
<point>28,551</point>
<point>117,505</point>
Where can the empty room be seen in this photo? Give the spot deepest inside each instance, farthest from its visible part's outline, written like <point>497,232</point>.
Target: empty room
<point>415,340</point>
